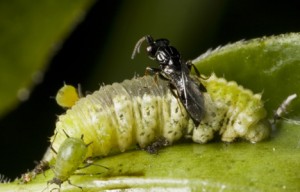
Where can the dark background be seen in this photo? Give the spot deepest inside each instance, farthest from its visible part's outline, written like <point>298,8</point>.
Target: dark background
<point>100,47</point>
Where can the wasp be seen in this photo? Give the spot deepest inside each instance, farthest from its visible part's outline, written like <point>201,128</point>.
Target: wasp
<point>177,72</point>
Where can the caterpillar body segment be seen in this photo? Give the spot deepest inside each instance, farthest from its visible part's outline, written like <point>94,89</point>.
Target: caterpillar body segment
<point>233,112</point>
<point>138,111</point>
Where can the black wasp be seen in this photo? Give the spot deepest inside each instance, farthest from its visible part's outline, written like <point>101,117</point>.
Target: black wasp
<point>177,72</point>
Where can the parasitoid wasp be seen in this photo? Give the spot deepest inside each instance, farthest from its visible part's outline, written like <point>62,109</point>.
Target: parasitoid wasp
<point>175,70</point>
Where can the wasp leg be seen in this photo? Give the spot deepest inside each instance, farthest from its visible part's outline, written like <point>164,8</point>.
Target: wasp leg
<point>152,70</point>
<point>157,72</point>
<point>190,66</point>
<point>202,88</point>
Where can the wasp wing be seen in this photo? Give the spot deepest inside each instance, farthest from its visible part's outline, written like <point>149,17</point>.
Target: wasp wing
<point>191,95</point>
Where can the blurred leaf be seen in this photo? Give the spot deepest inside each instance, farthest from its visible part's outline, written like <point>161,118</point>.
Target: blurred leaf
<point>179,21</point>
<point>269,65</point>
<point>272,165</point>
<point>30,33</point>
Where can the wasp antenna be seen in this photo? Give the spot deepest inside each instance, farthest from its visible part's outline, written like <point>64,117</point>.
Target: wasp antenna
<point>137,46</point>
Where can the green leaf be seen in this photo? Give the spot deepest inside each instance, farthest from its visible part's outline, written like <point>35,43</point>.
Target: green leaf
<point>30,33</point>
<point>270,65</point>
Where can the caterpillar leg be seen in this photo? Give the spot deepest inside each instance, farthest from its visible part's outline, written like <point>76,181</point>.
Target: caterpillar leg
<point>159,143</point>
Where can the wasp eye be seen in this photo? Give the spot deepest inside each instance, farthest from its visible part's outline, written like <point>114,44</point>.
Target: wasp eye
<point>151,51</point>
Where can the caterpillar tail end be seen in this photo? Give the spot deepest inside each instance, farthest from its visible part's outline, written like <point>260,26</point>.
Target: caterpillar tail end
<point>259,131</point>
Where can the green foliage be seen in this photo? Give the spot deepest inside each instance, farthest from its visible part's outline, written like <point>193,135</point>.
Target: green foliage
<point>30,33</point>
<point>268,65</point>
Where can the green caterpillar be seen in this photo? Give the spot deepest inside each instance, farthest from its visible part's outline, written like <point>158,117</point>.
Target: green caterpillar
<point>138,111</point>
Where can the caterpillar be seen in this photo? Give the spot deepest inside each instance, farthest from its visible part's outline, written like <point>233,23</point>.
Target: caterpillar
<point>154,112</point>
<point>138,111</point>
